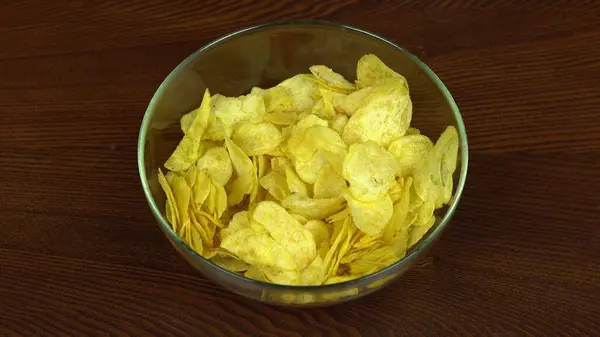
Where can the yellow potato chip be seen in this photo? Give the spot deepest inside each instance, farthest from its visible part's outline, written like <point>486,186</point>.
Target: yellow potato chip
<point>328,183</point>
<point>171,207</point>
<point>189,148</point>
<point>181,192</point>
<point>433,175</point>
<point>338,123</point>
<point>282,117</point>
<point>321,233</point>
<point>371,71</point>
<point>245,180</point>
<point>285,229</point>
<point>418,231</point>
<point>275,183</point>
<point>370,170</point>
<point>309,170</point>
<point>255,273</point>
<point>294,183</point>
<point>410,150</point>
<point>332,80</point>
<point>400,213</point>
<point>312,209</point>
<point>370,216</point>
<point>278,99</point>
<point>413,131</point>
<point>382,117</point>
<point>230,263</point>
<point>217,163</point>
<point>303,89</point>
<point>239,221</point>
<point>227,112</point>
<point>256,138</point>
<point>259,249</point>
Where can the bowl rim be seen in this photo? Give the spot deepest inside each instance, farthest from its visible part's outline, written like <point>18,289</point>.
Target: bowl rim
<point>430,235</point>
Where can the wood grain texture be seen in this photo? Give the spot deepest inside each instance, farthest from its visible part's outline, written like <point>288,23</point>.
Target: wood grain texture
<point>80,253</point>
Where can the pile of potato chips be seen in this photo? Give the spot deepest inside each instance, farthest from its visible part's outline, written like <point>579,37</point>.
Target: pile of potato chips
<point>315,181</point>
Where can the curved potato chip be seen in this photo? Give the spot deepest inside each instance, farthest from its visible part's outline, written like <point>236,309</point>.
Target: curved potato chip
<point>410,150</point>
<point>217,163</point>
<point>278,99</point>
<point>232,110</point>
<point>328,183</point>
<point>282,117</point>
<point>370,170</point>
<point>285,229</point>
<point>275,183</point>
<point>295,184</point>
<point>413,131</point>
<point>181,192</point>
<point>303,88</point>
<point>189,148</point>
<point>309,170</point>
<point>255,273</point>
<point>371,71</point>
<point>352,102</point>
<point>332,80</point>
<point>244,168</point>
<point>400,213</point>
<point>321,233</point>
<point>171,205</point>
<point>230,263</point>
<point>239,221</point>
<point>433,175</point>
<point>258,249</point>
<point>382,117</point>
<point>312,209</point>
<point>417,232</point>
<point>338,124</point>
<point>256,139</point>
<point>370,217</point>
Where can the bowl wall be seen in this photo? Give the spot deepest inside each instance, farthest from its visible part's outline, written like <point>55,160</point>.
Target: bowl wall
<point>263,56</point>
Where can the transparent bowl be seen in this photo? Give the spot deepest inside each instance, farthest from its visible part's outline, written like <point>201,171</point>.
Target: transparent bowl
<point>263,56</point>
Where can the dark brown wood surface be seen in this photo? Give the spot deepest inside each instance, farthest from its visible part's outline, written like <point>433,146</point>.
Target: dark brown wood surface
<point>80,253</point>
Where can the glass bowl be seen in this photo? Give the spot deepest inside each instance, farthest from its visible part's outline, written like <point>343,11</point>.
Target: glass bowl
<point>263,56</point>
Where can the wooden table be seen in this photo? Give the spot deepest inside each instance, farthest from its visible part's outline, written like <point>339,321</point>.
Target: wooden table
<point>80,253</point>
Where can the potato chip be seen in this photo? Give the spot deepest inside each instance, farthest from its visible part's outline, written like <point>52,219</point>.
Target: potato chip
<point>321,233</point>
<point>410,150</point>
<point>278,99</point>
<point>230,263</point>
<point>370,216</point>
<point>217,163</point>
<point>255,273</point>
<point>370,170</point>
<point>433,175</point>
<point>227,112</point>
<point>171,207</point>
<point>239,221</point>
<point>282,117</point>
<point>418,231</point>
<point>312,209</point>
<point>382,117</point>
<point>303,89</point>
<point>400,213</point>
<point>256,138</point>
<point>328,183</point>
<point>371,72</point>
<point>338,123</point>
<point>275,183</point>
<point>288,231</point>
<point>259,249</point>
<point>189,148</point>
<point>330,79</point>
<point>246,177</point>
